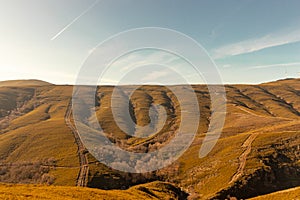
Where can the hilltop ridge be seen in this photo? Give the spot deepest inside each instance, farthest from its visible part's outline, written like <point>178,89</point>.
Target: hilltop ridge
<point>22,83</point>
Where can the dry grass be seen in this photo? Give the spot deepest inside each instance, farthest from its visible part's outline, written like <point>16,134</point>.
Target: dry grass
<point>22,83</point>
<point>41,133</point>
<point>271,110</point>
<point>156,190</point>
<point>291,194</point>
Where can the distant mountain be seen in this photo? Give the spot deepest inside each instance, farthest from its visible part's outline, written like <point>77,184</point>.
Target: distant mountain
<point>18,83</point>
<point>258,152</point>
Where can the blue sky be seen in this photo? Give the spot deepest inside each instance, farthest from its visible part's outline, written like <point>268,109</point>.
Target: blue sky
<point>250,41</point>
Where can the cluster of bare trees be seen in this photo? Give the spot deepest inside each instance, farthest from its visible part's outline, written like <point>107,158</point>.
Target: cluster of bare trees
<point>29,172</point>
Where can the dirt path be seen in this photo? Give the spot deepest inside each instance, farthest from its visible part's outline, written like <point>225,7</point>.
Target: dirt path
<point>82,179</point>
<point>243,158</point>
<point>247,145</point>
<point>249,111</point>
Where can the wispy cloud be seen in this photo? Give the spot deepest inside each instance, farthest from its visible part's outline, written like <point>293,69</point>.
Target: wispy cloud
<point>74,20</point>
<point>256,44</point>
<point>274,65</point>
<point>156,75</point>
<point>145,57</point>
<point>160,67</point>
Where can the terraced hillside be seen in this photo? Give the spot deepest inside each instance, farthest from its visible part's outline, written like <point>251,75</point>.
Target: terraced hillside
<point>258,152</point>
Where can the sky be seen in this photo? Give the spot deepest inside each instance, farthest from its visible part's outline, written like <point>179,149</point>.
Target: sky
<point>250,41</point>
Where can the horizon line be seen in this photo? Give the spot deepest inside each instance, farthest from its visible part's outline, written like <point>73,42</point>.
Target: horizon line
<point>179,84</point>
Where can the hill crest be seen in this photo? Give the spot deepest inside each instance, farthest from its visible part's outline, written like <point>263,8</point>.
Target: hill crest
<point>25,82</point>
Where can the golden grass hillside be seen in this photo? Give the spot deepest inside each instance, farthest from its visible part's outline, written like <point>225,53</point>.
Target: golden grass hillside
<point>36,132</point>
<point>22,83</point>
<point>259,110</point>
<point>258,151</point>
<point>292,194</point>
<point>155,190</point>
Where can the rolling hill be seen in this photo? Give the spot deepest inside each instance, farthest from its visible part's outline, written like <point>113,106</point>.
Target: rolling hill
<point>293,193</point>
<point>18,83</point>
<point>155,190</point>
<point>258,152</point>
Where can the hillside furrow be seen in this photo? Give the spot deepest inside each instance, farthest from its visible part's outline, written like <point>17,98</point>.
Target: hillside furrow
<point>279,99</point>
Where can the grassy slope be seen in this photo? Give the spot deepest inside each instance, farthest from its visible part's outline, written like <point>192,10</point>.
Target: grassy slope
<point>22,83</point>
<point>250,109</point>
<point>42,134</point>
<point>293,193</point>
<point>155,190</point>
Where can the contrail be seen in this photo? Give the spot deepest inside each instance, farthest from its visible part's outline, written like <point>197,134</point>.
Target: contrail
<point>274,65</point>
<point>74,20</point>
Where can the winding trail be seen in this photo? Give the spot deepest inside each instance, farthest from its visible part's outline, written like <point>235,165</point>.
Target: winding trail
<point>243,157</point>
<point>247,145</point>
<point>82,178</point>
<point>250,112</point>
